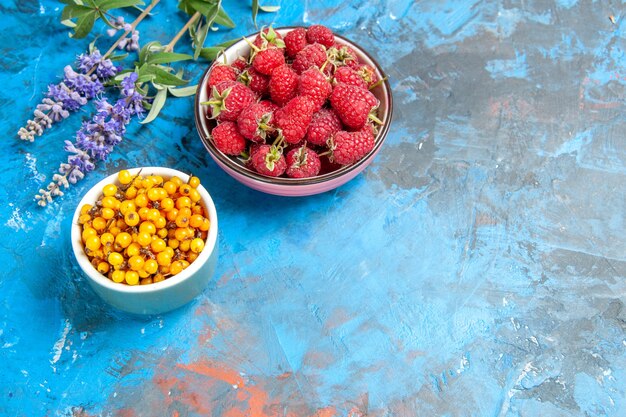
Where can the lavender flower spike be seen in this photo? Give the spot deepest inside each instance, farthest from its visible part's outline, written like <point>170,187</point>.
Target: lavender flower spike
<point>70,94</point>
<point>96,139</point>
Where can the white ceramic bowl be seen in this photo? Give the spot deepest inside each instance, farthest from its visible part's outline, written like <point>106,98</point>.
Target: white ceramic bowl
<point>293,187</point>
<point>162,296</point>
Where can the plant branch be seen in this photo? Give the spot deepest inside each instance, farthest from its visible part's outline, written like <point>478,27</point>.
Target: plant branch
<point>170,46</point>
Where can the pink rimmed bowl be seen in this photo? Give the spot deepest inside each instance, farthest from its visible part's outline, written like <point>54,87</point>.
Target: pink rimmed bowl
<point>159,297</point>
<point>292,187</point>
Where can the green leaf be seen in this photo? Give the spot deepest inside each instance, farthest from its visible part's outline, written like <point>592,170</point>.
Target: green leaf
<point>117,57</point>
<point>147,49</point>
<point>73,11</point>
<point>166,78</point>
<point>84,24</point>
<point>223,19</point>
<point>210,53</point>
<point>205,8</point>
<point>183,92</point>
<point>255,10</point>
<point>68,23</point>
<point>167,57</point>
<point>157,105</point>
<point>118,4</point>
<point>270,9</point>
<point>199,40</point>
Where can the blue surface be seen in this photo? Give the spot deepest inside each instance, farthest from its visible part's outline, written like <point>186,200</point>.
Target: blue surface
<point>476,268</point>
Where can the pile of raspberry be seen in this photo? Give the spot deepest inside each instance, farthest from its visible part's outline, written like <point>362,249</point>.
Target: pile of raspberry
<point>298,106</point>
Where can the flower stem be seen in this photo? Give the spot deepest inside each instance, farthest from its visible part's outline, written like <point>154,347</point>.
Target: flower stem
<point>170,46</point>
<point>133,25</point>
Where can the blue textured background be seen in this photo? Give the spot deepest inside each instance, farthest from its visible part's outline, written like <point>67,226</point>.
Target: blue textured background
<point>476,268</point>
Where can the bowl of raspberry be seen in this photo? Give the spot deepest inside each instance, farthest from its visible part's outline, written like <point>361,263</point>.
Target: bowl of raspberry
<point>293,111</point>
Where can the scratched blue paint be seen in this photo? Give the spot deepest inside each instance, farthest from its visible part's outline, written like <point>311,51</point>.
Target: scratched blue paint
<point>476,268</point>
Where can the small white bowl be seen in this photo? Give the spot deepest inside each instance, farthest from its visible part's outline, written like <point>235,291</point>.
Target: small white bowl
<point>159,297</point>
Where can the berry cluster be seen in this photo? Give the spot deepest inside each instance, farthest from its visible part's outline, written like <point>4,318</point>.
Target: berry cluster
<point>145,229</point>
<point>297,106</point>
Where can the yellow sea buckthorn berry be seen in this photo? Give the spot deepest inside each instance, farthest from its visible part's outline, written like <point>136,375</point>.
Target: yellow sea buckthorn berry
<point>170,187</point>
<point>131,192</point>
<point>133,249</point>
<point>135,262</point>
<point>157,180</point>
<point>153,214</point>
<point>184,189</point>
<point>131,277</point>
<point>124,177</point>
<point>173,243</point>
<point>196,221</point>
<point>147,183</point>
<point>164,269</point>
<point>109,190</point>
<point>158,245</point>
<point>110,201</point>
<point>154,194</point>
<point>172,214</point>
<point>192,256</point>
<point>160,222</point>
<point>151,266</point>
<point>145,281</point>
<point>143,213</point>
<point>185,245</point>
<point>126,206</point>
<point>167,204</point>
<point>85,208</point>
<point>169,251</point>
<point>143,273</point>
<point>103,268</point>
<point>164,258</point>
<point>197,245</point>
<point>131,218</point>
<point>137,181</point>
<point>93,243</point>
<point>182,221</point>
<point>197,209</point>
<point>185,211</point>
<point>107,213</point>
<point>99,224</point>
<point>158,278</point>
<point>148,227</point>
<point>107,239</point>
<point>88,231</point>
<point>176,180</point>
<point>181,234</point>
<point>114,230</point>
<point>194,182</point>
<point>177,267</point>
<point>84,218</point>
<point>141,200</point>
<point>162,233</point>
<point>115,258</point>
<point>118,276</point>
<point>183,202</point>
<point>144,238</point>
<point>123,239</point>
<point>195,195</point>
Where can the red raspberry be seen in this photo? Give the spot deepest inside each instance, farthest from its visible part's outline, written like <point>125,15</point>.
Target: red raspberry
<point>368,74</point>
<point>268,160</point>
<point>349,147</point>
<point>293,120</point>
<point>324,124</point>
<point>269,38</point>
<point>341,55</point>
<point>283,85</point>
<point>221,73</point>
<point>349,76</point>
<point>255,121</point>
<point>352,104</point>
<point>266,60</point>
<point>320,34</point>
<point>240,64</point>
<point>255,81</point>
<point>295,41</point>
<point>302,163</point>
<point>227,138</point>
<point>315,85</point>
<point>228,99</point>
<point>311,55</point>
